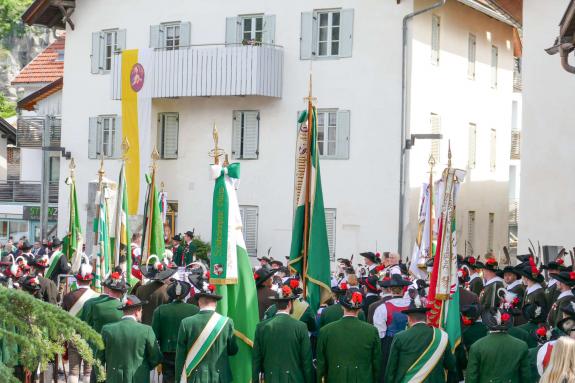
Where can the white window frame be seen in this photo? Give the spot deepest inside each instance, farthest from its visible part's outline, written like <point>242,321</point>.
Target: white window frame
<point>323,143</point>
<point>472,160</point>
<point>107,125</point>
<point>490,231</point>
<point>251,252</point>
<point>470,232</point>
<point>471,56</point>
<point>329,38</point>
<point>241,114</point>
<point>435,38</point>
<point>253,30</point>
<point>109,47</point>
<point>171,42</point>
<point>161,133</point>
<point>331,244</point>
<point>494,65</point>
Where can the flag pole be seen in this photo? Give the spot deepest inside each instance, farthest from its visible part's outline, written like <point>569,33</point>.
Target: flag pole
<point>430,217</point>
<point>97,238</point>
<point>72,168</point>
<point>307,196</point>
<point>119,202</point>
<point>148,234</point>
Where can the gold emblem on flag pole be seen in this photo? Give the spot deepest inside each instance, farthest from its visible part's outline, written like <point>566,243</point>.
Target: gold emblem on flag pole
<point>217,152</point>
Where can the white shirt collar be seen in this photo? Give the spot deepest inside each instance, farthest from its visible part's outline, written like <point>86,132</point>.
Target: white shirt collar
<point>281,313</point>
<point>493,280</point>
<point>371,267</point>
<point>552,282</point>
<point>370,294</point>
<point>473,276</point>
<point>565,294</point>
<point>512,285</point>
<point>208,309</point>
<point>533,288</point>
<point>130,317</point>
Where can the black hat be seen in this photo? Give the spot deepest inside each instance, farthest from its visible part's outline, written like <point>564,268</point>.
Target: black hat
<point>341,288</point>
<point>352,299</point>
<point>470,311</point>
<point>567,323</point>
<point>530,271</point>
<point>416,306</point>
<point>371,256</point>
<point>345,261</point>
<point>56,242</point>
<point>524,257</point>
<point>472,262</point>
<point>190,233</point>
<point>40,261</point>
<point>263,274</point>
<point>130,302</point>
<point>556,265</point>
<point>534,313</point>
<point>207,290</point>
<point>512,270</point>
<point>395,280</point>
<point>285,294</point>
<point>293,284</point>
<point>496,319</point>
<point>371,283</point>
<point>264,258</point>
<point>459,260</point>
<point>30,283</point>
<point>566,277</point>
<point>116,282</point>
<point>276,262</point>
<point>178,290</point>
<point>491,264</point>
<point>157,271</point>
<point>25,245</point>
<point>177,237</point>
<point>403,268</point>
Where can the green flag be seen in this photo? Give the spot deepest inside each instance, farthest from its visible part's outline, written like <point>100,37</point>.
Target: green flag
<point>153,238</point>
<point>73,241</point>
<point>315,268</point>
<point>104,260</point>
<point>230,269</point>
<point>122,232</point>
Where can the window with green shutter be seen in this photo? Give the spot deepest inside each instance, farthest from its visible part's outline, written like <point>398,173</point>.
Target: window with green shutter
<point>253,29</point>
<point>333,133</point>
<point>326,34</point>
<point>435,38</point>
<point>250,228</point>
<point>106,44</point>
<point>168,129</point>
<point>245,134</point>
<point>170,35</point>
<point>330,224</point>
<point>105,137</point>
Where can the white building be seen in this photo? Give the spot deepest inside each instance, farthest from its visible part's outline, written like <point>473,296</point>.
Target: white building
<point>547,201</point>
<point>354,50</point>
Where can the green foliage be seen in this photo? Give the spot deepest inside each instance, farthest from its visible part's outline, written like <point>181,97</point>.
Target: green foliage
<point>202,248</point>
<point>7,108</point>
<point>33,332</point>
<point>10,13</point>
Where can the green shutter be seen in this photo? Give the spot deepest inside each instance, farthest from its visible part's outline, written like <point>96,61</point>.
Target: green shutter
<point>342,133</point>
<point>237,135</point>
<point>170,135</point>
<point>250,228</point>
<point>121,39</point>
<point>251,135</point>
<point>330,225</point>
<point>269,34</point>
<point>95,57</point>
<point>233,30</point>
<point>308,31</point>
<point>185,34</point>
<point>155,41</point>
<point>346,33</point>
<point>93,138</point>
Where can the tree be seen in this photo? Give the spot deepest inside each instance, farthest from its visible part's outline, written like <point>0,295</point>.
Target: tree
<point>33,332</point>
<point>202,248</point>
<point>10,13</point>
<point>7,108</point>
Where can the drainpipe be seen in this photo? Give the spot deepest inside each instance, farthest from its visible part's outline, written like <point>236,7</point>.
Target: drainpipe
<point>402,159</point>
<point>565,57</point>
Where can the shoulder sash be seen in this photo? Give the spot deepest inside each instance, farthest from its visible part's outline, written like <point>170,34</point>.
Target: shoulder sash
<point>77,307</point>
<point>203,344</point>
<point>54,260</point>
<point>423,366</point>
<point>299,308</point>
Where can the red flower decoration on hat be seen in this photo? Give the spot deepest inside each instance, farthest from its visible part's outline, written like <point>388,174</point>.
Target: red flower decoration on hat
<point>572,275</point>
<point>356,297</point>
<point>129,302</point>
<point>211,287</point>
<point>256,276</point>
<point>534,270</point>
<point>491,261</point>
<point>378,255</point>
<point>467,321</point>
<point>560,261</point>
<point>294,283</point>
<point>379,268</point>
<point>115,275</point>
<point>541,331</point>
<point>505,317</point>
<point>472,260</point>
<point>343,286</point>
<point>515,301</point>
<point>159,266</point>
<point>286,291</point>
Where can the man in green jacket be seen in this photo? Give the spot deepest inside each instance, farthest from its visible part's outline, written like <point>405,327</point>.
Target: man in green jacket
<point>301,309</point>
<point>475,280</point>
<point>178,250</point>
<point>105,311</point>
<point>166,319</point>
<point>334,312</point>
<point>421,353</point>
<point>348,350</point>
<point>498,357</point>
<point>565,282</point>
<point>205,341</point>
<point>155,291</point>
<point>488,298</point>
<point>130,348</point>
<point>292,361</point>
<point>534,292</point>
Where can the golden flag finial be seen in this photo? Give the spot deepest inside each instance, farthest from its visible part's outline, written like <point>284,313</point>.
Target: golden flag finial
<point>449,154</point>
<point>125,148</point>
<point>310,98</point>
<point>216,152</point>
<point>101,171</point>
<point>72,167</point>
<point>155,157</point>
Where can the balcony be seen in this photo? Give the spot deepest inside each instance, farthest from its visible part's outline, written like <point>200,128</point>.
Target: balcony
<point>515,145</point>
<point>26,191</point>
<point>513,211</point>
<point>30,131</point>
<point>210,70</point>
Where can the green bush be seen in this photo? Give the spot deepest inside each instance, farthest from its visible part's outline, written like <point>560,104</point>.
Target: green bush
<point>202,248</point>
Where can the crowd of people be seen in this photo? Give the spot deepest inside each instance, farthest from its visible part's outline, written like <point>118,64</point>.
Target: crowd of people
<point>517,322</point>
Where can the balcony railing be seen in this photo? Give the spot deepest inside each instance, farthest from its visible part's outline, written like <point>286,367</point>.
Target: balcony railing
<point>517,83</point>
<point>515,145</point>
<point>210,70</point>
<point>26,191</point>
<point>513,211</point>
<point>30,130</point>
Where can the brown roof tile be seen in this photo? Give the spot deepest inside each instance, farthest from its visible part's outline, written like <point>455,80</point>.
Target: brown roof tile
<point>44,67</point>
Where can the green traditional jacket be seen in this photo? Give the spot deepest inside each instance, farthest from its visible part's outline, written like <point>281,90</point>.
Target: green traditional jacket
<point>408,346</point>
<point>177,257</point>
<point>214,367</point>
<point>348,351</point>
<point>552,294</point>
<point>166,320</point>
<point>86,313</point>
<point>488,297</point>
<point>537,296</point>
<point>532,356</point>
<point>530,327</point>
<point>306,316</point>
<point>498,357</point>
<point>130,351</point>
<point>187,252</point>
<point>104,312</point>
<point>288,361</point>
<point>471,334</point>
<point>522,334</point>
<point>555,313</point>
<point>476,285</point>
<point>334,313</point>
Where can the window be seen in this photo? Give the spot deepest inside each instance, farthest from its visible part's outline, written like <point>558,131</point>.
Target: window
<point>54,169</point>
<point>60,57</point>
<point>330,220</point>
<point>493,150</point>
<point>471,48</point>
<point>470,233</point>
<point>18,229</point>
<point>333,133</point>
<point>105,137</point>
<point>326,34</point>
<point>245,131</point>
<point>435,127</point>
<point>490,232</point>
<point>494,64</point>
<point>105,45</point>
<point>435,27</point>
<point>252,28</point>
<point>250,228</point>
<point>170,36</point>
<point>472,145</point>
<point>4,230</point>
<point>168,128</point>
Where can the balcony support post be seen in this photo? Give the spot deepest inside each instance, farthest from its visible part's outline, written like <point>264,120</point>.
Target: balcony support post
<point>45,184</point>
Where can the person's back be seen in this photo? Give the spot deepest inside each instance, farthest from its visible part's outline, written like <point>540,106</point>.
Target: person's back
<point>334,313</point>
<point>167,319</point>
<point>105,312</point>
<point>472,333</point>
<point>282,350</point>
<point>498,357</point>
<point>349,350</point>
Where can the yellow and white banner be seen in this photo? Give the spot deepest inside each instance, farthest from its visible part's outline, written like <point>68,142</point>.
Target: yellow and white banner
<point>137,69</point>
